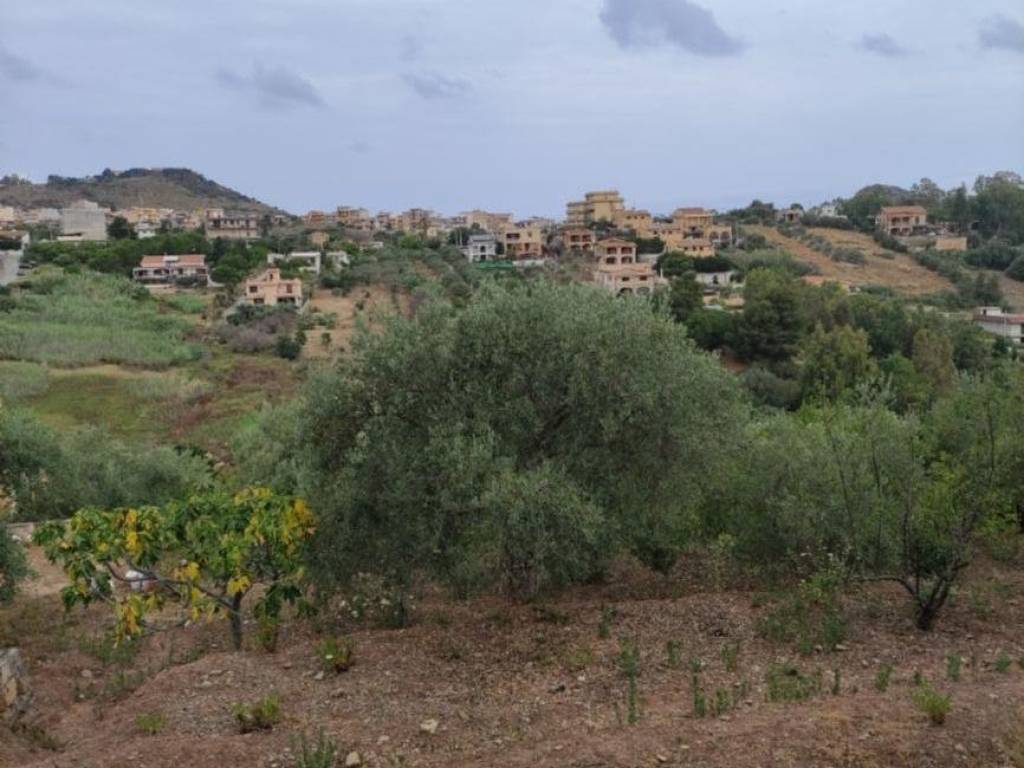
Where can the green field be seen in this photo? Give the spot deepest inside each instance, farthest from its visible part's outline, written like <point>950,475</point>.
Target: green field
<point>87,319</point>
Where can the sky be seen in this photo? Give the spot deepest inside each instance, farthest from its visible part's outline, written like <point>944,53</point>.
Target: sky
<point>516,106</point>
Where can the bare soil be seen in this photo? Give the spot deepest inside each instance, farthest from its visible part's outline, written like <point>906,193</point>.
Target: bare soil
<point>532,685</point>
<point>366,304</point>
<point>895,270</point>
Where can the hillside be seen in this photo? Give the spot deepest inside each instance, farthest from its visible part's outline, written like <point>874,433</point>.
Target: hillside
<point>897,271</point>
<point>178,188</point>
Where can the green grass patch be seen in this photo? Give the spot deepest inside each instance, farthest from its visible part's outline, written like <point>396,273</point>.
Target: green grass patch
<point>186,303</point>
<point>82,319</point>
<point>19,380</point>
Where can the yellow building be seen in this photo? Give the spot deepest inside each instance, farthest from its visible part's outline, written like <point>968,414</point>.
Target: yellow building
<point>523,242</point>
<point>604,205</point>
<point>618,270</point>
<point>638,221</point>
<point>270,289</point>
<point>577,239</point>
<point>353,218</point>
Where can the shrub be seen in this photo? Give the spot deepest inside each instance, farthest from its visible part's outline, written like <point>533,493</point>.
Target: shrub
<point>629,665</point>
<point>288,347</point>
<point>323,753</point>
<point>882,678</point>
<point>811,617</point>
<point>786,683</point>
<point>150,724</point>
<point>933,704</point>
<point>1003,663</point>
<point>336,654</point>
<point>730,656</point>
<point>261,715</point>
<point>13,566</point>
<point>953,664</point>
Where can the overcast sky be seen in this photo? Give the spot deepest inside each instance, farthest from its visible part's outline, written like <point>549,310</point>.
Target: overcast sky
<point>516,105</point>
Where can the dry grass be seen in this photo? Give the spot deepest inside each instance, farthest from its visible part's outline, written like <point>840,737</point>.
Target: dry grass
<point>362,304</point>
<point>901,273</point>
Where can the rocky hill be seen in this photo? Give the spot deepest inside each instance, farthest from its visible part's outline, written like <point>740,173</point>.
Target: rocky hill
<point>178,188</point>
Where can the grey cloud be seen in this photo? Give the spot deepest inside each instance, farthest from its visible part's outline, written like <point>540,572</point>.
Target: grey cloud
<point>274,86</point>
<point>882,45</point>
<point>18,68</point>
<point>411,47</point>
<point>679,23</point>
<point>1002,33</point>
<point>434,86</point>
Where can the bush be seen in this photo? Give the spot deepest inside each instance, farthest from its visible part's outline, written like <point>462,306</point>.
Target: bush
<point>261,715</point>
<point>336,654</point>
<point>321,754</point>
<point>933,704</point>
<point>288,347</point>
<point>786,683</point>
<point>150,724</point>
<point>13,566</point>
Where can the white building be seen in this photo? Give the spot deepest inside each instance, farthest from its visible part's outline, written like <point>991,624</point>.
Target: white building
<point>481,248</point>
<point>995,321</point>
<point>83,220</point>
<point>307,261</point>
<point>715,280</point>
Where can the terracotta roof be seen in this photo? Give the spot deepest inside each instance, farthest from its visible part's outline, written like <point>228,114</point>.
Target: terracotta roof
<point>999,319</point>
<point>900,209</point>
<point>183,260</point>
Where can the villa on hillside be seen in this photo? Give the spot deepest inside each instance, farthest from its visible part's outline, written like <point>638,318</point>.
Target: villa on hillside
<point>997,322</point>
<point>184,269</point>
<point>269,289</point>
<point>902,220</point>
<point>618,270</point>
<point>307,261</point>
<point>481,248</point>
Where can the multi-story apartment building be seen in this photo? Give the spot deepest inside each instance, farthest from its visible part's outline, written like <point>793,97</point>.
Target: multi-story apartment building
<point>618,270</point>
<point>576,214</point>
<point>232,225</point>
<point>523,242</point>
<point>578,239</point>
<point>354,218</point>
<point>83,220</point>
<point>316,219</point>
<point>902,220</point>
<point>604,205</point>
<point>487,221</point>
<point>637,220</point>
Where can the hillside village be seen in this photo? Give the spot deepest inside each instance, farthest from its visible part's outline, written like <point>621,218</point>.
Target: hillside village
<point>694,487</point>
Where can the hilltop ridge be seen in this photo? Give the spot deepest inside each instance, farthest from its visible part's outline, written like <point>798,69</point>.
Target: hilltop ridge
<point>178,188</point>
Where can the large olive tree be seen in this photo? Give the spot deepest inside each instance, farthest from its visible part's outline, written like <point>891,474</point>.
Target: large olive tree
<point>525,439</point>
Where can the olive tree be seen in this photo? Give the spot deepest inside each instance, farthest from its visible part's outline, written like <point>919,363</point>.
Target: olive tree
<point>528,438</point>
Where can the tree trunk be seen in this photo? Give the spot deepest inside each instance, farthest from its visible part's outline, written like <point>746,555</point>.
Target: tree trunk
<point>235,618</point>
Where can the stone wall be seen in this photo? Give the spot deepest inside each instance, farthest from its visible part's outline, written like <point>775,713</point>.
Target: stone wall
<point>14,694</point>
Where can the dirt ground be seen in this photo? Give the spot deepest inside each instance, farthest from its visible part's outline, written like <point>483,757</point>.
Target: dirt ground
<point>533,685</point>
<point>901,273</point>
<point>362,304</point>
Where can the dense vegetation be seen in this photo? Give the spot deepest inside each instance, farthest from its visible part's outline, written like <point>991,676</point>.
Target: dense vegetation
<point>87,318</point>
